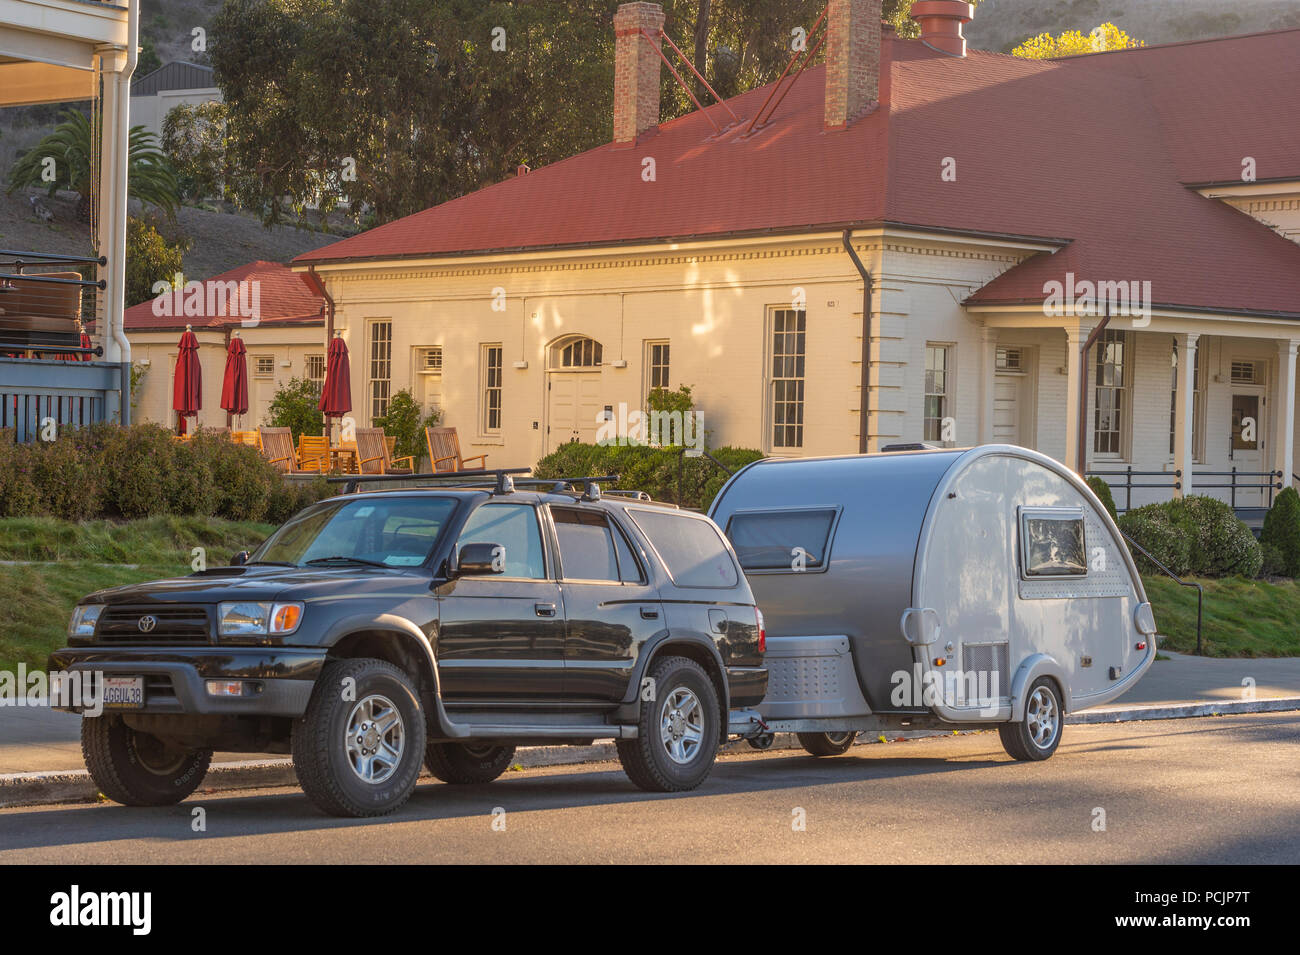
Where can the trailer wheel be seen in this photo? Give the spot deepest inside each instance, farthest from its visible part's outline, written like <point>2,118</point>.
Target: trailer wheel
<point>827,744</point>
<point>1037,735</point>
<point>762,741</point>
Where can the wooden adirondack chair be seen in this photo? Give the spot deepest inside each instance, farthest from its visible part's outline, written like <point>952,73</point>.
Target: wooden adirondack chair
<point>277,447</point>
<point>373,456</point>
<point>246,437</point>
<point>314,452</point>
<point>444,451</point>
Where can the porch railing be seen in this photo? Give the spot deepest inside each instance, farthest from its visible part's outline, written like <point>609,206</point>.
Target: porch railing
<point>1238,480</point>
<point>50,376</point>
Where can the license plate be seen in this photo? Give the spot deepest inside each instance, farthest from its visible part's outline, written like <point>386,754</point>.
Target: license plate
<point>124,692</point>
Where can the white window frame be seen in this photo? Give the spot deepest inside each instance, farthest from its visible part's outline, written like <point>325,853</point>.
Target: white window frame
<point>491,381</point>
<point>773,382</point>
<point>1123,426</point>
<point>948,395</point>
<point>377,403</point>
<point>257,366</point>
<point>649,347</point>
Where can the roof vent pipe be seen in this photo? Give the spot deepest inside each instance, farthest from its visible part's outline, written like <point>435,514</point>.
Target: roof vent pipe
<point>941,22</point>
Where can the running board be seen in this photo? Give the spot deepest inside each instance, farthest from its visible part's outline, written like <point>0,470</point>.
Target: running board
<point>534,731</point>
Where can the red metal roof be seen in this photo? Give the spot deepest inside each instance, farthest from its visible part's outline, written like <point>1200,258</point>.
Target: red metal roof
<point>283,297</point>
<point>1096,149</point>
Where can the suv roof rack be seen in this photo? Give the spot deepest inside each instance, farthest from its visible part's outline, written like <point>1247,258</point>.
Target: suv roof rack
<point>500,480</point>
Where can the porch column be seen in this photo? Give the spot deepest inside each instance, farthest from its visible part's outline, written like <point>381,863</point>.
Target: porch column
<point>988,381</point>
<point>1074,339</point>
<point>1184,412</point>
<point>112,198</point>
<point>1284,415</point>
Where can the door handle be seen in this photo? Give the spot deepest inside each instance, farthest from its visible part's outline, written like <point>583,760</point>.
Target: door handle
<point>649,613</point>
<point>545,610</point>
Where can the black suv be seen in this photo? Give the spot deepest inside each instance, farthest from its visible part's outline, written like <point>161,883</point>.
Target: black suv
<point>444,625</point>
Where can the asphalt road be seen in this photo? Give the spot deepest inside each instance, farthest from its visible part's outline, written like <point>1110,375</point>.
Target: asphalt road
<point>1211,790</point>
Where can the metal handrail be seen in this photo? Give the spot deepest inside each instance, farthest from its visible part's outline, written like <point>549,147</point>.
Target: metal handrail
<point>1200,591</point>
<point>1232,485</point>
<point>1127,487</point>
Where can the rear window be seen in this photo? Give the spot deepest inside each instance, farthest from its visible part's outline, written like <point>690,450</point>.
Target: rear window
<point>793,540</point>
<point>691,548</point>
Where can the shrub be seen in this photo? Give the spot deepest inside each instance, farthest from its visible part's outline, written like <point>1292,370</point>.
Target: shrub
<point>290,497</point>
<point>1274,564</point>
<point>1102,490</point>
<point>137,465</point>
<point>242,478</point>
<point>19,496</point>
<point>67,481</point>
<point>1282,532</point>
<point>1195,534</point>
<point>295,407</point>
<point>653,470</point>
<point>1154,529</point>
<point>404,422</point>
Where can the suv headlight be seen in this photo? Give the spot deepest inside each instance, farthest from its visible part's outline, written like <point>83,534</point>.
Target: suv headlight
<point>83,621</point>
<point>244,618</point>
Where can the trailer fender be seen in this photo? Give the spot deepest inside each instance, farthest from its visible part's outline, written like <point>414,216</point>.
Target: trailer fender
<point>1039,664</point>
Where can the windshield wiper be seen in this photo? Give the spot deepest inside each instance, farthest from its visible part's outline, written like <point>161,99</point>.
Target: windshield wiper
<point>340,559</point>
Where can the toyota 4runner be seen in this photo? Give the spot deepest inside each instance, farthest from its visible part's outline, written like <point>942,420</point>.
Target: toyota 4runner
<point>379,630</point>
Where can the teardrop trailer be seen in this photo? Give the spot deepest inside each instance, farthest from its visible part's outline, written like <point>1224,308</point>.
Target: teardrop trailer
<point>935,589</point>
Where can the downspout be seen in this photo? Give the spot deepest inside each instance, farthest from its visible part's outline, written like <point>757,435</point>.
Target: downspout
<point>117,255</point>
<point>1082,448</point>
<point>864,412</point>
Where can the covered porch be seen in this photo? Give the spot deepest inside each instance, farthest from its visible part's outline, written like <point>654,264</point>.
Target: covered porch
<point>69,51</point>
<point>1178,404</point>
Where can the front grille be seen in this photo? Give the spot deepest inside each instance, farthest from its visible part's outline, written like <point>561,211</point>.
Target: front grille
<point>172,624</point>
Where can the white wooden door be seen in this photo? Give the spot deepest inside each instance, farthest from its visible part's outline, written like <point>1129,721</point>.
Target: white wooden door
<point>1006,409</point>
<point>574,407</point>
<point>1246,448</point>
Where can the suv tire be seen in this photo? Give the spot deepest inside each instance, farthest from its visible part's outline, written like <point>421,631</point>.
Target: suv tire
<point>134,768</point>
<point>360,756</point>
<point>464,764</point>
<point>827,744</point>
<point>678,731</point>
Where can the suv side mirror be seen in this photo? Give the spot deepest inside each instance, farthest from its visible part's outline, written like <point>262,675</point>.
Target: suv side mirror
<point>240,559</point>
<point>480,558</point>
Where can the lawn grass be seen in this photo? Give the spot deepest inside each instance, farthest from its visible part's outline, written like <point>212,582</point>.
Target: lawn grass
<point>59,562</point>
<point>1241,618</point>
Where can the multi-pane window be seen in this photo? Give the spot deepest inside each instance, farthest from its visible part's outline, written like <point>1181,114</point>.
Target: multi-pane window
<point>315,370</point>
<point>491,376</point>
<point>1010,359</point>
<point>1111,393</point>
<point>431,359</point>
<point>381,367</point>
<point>1196,399</point>
<point>264,366</point>
<point>656,362</point>
<point>582,353</point>
<point>787,389</point>
<point>938,392</point>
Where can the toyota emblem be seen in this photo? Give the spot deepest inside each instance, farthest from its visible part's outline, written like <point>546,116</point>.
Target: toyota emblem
<point>147,623</point>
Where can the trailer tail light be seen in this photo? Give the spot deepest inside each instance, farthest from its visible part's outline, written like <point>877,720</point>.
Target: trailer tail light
<point>762,630</point>
<point>1142,645</point>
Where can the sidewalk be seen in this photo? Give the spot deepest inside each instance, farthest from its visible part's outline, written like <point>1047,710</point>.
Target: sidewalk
<point>43,740</point>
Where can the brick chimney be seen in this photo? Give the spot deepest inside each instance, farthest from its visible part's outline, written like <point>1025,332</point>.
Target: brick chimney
<point>636,70</point>
<point>941,22</point>
<point>852,60</point>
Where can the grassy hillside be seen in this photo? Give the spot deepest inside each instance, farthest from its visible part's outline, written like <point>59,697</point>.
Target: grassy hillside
<point>1241,618</point>
<point>46,566</point>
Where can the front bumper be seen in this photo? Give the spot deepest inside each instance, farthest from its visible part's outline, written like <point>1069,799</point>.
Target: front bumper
<point>174,676</point>
<point>747,686</point>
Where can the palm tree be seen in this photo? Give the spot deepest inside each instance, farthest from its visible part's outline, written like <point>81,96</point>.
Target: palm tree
<point>150,177</point>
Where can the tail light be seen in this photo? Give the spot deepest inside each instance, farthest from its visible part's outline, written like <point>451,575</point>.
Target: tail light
<point>762,630</point>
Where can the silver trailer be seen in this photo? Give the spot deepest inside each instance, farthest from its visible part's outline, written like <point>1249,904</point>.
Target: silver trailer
<point>935,590</point>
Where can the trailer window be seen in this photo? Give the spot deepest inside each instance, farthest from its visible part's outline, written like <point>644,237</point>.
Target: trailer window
<point>690,548</point>
<point>793,540</point>
<point>1052,542</point>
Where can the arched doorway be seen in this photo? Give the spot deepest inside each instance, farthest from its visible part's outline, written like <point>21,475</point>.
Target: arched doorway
<point>573,390</point>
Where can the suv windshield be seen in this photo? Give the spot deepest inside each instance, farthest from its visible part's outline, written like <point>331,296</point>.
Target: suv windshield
<point>384,532</point>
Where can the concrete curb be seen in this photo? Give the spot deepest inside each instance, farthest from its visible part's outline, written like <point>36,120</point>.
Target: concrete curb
<point>76,786</point>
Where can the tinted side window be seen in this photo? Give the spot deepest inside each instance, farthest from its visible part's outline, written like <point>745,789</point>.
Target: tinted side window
<point>513,526</point>
<point>691,548</point>
<point>782,540</point>
<point>586,544</point>
<point>629,567</point>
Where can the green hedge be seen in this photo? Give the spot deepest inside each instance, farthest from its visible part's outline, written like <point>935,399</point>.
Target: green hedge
<point>1102,490</point>
<point>653,470</point>
<point>1194,535</point>
<point>106,471</point>
<point>1280,537</point>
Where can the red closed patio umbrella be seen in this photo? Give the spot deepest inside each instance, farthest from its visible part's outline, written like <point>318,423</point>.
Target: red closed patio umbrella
<point>336,395</point>
<point>234,386</point>
<point>187,388</point>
